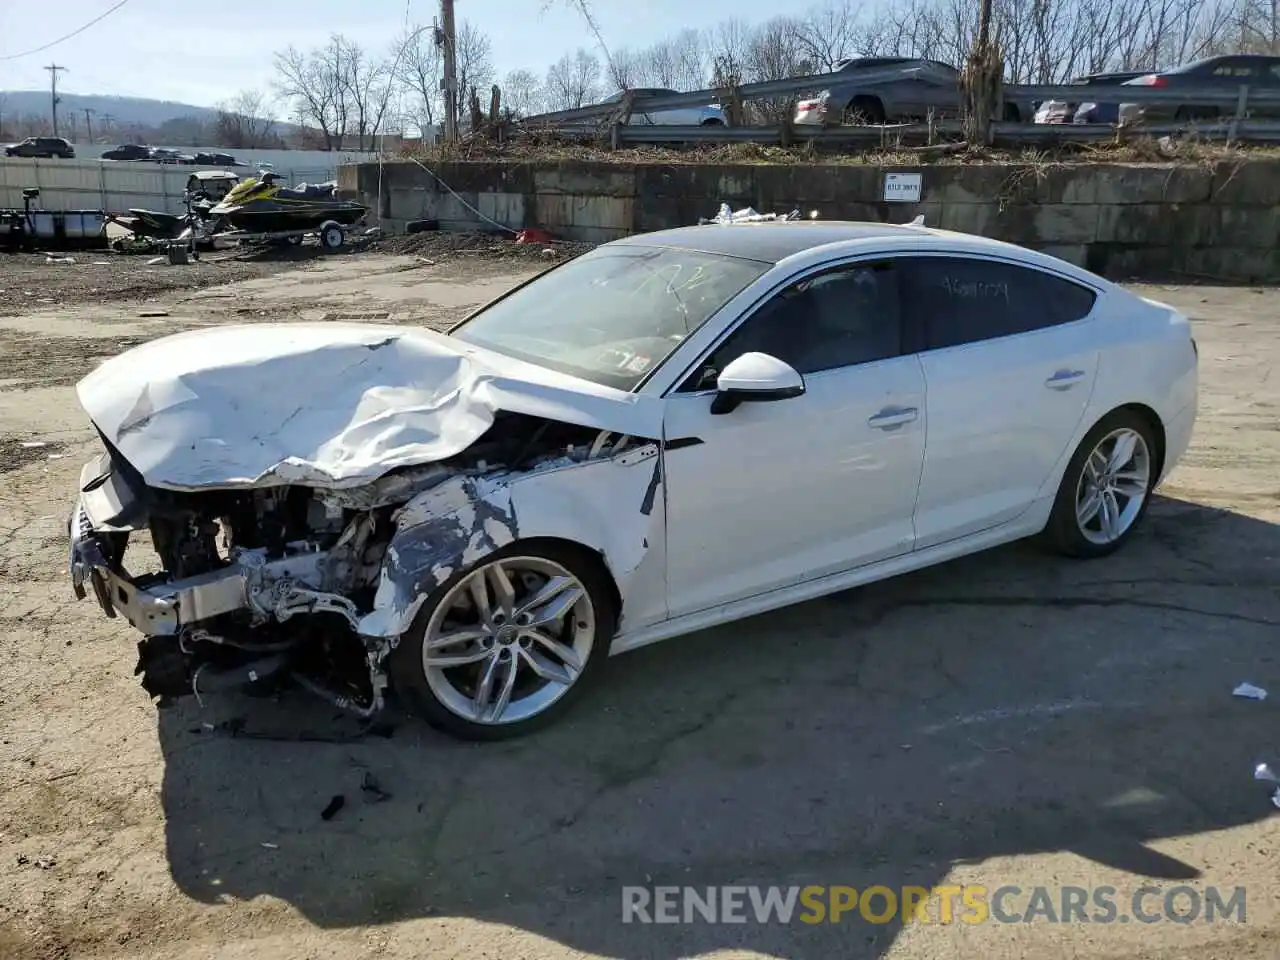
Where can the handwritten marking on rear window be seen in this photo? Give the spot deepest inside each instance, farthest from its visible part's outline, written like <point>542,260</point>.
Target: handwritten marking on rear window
<point>976,289</point>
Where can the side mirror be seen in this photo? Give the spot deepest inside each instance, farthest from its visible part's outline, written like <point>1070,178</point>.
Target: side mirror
<point>755,377</point>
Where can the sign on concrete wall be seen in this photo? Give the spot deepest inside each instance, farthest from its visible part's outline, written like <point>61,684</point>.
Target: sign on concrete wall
<point>903,187</point>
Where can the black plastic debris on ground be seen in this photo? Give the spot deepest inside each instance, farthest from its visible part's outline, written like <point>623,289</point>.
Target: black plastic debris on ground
<point>336,804</point>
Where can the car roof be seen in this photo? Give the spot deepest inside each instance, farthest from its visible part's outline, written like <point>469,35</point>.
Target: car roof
<point>1254,58</point>
<point>768,241</point>
<point>773,241</point>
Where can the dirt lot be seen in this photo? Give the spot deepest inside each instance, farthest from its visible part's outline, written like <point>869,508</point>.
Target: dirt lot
<point>1006,719</point>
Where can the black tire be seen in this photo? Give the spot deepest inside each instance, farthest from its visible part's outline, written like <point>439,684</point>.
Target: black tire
<point>331,236</point>
<point>408,676</point>
<point>713,122</point>
<point>1063,532</point>
<point>1012,114</point>
<point>864,110</point>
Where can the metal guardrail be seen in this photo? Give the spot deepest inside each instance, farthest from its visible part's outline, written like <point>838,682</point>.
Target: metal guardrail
<point>1247,131</point>
<point>747,91</point>
<point>1207,95</point>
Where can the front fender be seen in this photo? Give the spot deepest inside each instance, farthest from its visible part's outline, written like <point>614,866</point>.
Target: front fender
<point>611,506</point>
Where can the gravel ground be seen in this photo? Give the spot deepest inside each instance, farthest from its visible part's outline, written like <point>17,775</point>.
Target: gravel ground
<point>31,281</point>
<point>35,281</point>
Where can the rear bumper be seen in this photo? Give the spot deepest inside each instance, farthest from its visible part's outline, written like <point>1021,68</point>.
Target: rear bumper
<point>1178,432</point>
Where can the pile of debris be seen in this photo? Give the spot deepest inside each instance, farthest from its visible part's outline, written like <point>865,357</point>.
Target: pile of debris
<point>437,245</point>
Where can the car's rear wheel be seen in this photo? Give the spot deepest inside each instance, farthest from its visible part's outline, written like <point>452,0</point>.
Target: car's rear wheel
<point>1106,487</point>
<point>864,110</point>
<point>503,648</point>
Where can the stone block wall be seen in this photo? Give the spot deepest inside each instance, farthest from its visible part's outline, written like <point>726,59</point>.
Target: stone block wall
<point>1220,220</point>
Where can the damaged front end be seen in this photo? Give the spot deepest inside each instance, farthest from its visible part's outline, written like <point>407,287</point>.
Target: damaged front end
<point>249,586</point>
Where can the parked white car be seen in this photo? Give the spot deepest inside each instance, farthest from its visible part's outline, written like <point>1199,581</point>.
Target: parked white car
<point>711,114</point>
<point>673,431</point>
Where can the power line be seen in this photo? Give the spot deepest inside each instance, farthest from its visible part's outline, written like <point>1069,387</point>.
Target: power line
<point>54,43</point>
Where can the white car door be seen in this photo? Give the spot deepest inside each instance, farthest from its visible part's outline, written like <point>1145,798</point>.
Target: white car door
<point>1009,357</point>
<point>776,493</point>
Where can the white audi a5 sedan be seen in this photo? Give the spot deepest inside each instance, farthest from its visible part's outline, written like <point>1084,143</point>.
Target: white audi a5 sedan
<point>673,431</point>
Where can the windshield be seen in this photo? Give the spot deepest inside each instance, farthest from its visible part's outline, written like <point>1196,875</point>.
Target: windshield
<point>612,315</point>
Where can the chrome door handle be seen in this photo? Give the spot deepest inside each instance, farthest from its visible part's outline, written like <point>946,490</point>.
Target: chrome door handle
<point>891,417</point>
<point>1064,379</point>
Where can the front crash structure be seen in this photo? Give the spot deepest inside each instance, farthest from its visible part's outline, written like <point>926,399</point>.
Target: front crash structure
<point>253,586</point>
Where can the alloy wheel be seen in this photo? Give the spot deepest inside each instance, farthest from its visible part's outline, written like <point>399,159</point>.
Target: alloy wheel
<point>1113,486</point>
<point>508,640</point>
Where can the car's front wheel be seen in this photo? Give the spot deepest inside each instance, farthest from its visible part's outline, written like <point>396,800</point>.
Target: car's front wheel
<point>504,647</point>
<point>1106,487</point>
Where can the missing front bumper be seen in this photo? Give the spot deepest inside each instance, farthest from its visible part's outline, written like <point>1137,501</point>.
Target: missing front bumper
<point>161,609</point>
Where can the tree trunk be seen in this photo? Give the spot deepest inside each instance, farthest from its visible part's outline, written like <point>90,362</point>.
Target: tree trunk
<point>980,81</point>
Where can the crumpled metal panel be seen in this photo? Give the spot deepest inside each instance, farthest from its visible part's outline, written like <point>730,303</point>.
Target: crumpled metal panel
<point>328,405</point>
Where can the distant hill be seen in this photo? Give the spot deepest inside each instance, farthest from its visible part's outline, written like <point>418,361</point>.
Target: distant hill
<point>126,110</point>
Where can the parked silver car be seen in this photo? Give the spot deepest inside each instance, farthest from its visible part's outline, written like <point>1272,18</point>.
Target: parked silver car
<point>711,114</point>
<point>869,95</point>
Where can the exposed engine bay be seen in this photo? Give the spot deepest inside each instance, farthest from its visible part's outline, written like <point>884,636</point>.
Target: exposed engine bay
<point>256,586</point>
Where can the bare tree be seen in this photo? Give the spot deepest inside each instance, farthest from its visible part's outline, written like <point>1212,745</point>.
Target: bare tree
<point>775,53</point>
<point>313,81</point>
<point>523,93</point>
<point>363,81</point>
<point>473,54</point>
<point>626,69</point>
<point>419,73</point>
<point>573,81</point>
<point>827,33</point>
<point>728,44</point>
<point>246,121</point>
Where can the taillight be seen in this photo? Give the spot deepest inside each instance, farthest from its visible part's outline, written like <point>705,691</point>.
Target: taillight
<point>1150,80</point>
<point>809,105</point>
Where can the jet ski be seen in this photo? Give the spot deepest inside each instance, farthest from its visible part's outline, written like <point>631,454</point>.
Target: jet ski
<point>205,189</point>
<point>263,205</point>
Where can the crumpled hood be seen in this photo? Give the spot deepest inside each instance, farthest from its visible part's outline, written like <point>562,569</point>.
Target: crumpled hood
<point>324,404</point>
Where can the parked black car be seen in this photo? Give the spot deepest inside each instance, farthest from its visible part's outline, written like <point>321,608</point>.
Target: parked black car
<point>1228,72</point>
<point>41,148</point>
<point>128,151</point>
<point>217,160</point>
<point>166,155</point>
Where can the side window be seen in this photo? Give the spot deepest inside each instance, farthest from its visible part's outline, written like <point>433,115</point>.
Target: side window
<point>1234,69</point>
<point>834,319</point>
<point>956,300</point>
<point>1272,75</point>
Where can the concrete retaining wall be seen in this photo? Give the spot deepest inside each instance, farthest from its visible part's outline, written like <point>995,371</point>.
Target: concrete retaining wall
<point>1218,220</point>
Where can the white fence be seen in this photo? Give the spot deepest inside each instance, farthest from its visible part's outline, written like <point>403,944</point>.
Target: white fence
<point>84,184</point>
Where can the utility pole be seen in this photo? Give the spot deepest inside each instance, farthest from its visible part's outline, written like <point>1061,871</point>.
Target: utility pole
<point>53,69</point>
<point>446,37</point>
<point>88,123</point>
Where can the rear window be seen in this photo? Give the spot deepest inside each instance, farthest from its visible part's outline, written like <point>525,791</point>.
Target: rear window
<point>958,300</point>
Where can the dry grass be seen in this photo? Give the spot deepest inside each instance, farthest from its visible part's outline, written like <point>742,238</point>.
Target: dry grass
<point>890,152</point>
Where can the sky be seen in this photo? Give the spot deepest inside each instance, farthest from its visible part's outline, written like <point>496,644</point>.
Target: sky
<point>203,51</point>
